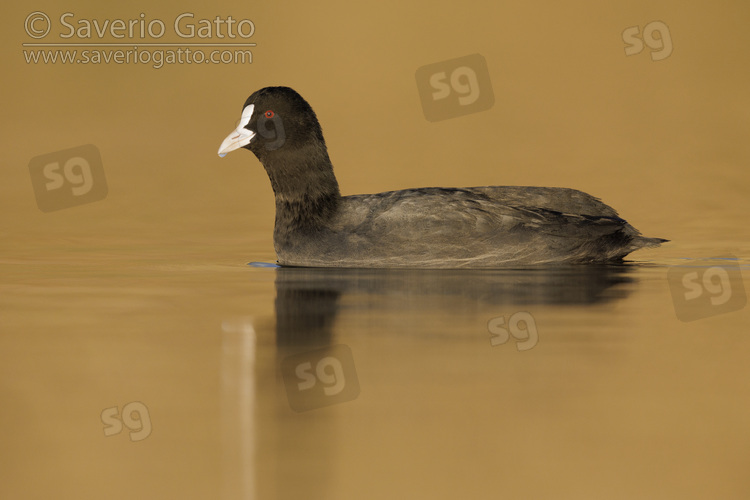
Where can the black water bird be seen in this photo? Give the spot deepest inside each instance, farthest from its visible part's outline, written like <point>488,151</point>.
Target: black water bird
<point>477,227</point>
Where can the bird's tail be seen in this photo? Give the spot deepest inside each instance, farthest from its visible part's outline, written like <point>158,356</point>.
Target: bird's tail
<point>643,242</point>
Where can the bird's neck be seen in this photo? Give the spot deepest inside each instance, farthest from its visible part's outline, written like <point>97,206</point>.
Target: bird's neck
<point>306,191</point>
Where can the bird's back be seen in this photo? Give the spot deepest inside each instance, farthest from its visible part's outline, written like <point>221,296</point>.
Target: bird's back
<point>480,227</point>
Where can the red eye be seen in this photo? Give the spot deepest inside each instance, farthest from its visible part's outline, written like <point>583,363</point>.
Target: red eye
<point>269,114</point>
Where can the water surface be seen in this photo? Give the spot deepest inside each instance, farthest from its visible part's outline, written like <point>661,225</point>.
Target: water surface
<point>601,386</point>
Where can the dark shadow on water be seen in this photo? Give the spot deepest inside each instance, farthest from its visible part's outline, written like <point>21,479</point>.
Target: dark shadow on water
<point>309,299</point>
<point>308,302</point>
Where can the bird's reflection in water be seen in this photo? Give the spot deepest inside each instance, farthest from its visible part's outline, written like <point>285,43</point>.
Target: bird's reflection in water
<point>309,299</point>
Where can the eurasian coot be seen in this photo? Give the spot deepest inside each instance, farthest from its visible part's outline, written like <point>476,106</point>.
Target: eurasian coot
<point>478,227</point>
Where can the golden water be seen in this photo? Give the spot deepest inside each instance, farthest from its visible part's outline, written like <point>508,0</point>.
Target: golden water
<point>144,300</point>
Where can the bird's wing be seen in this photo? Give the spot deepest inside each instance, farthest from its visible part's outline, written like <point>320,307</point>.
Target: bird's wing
<point>479,212</point>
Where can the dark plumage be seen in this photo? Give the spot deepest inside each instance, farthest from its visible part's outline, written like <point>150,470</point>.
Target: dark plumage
<point>479,227</point>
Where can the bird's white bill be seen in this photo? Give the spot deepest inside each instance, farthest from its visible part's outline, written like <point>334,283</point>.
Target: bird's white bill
<point>240,136</point>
